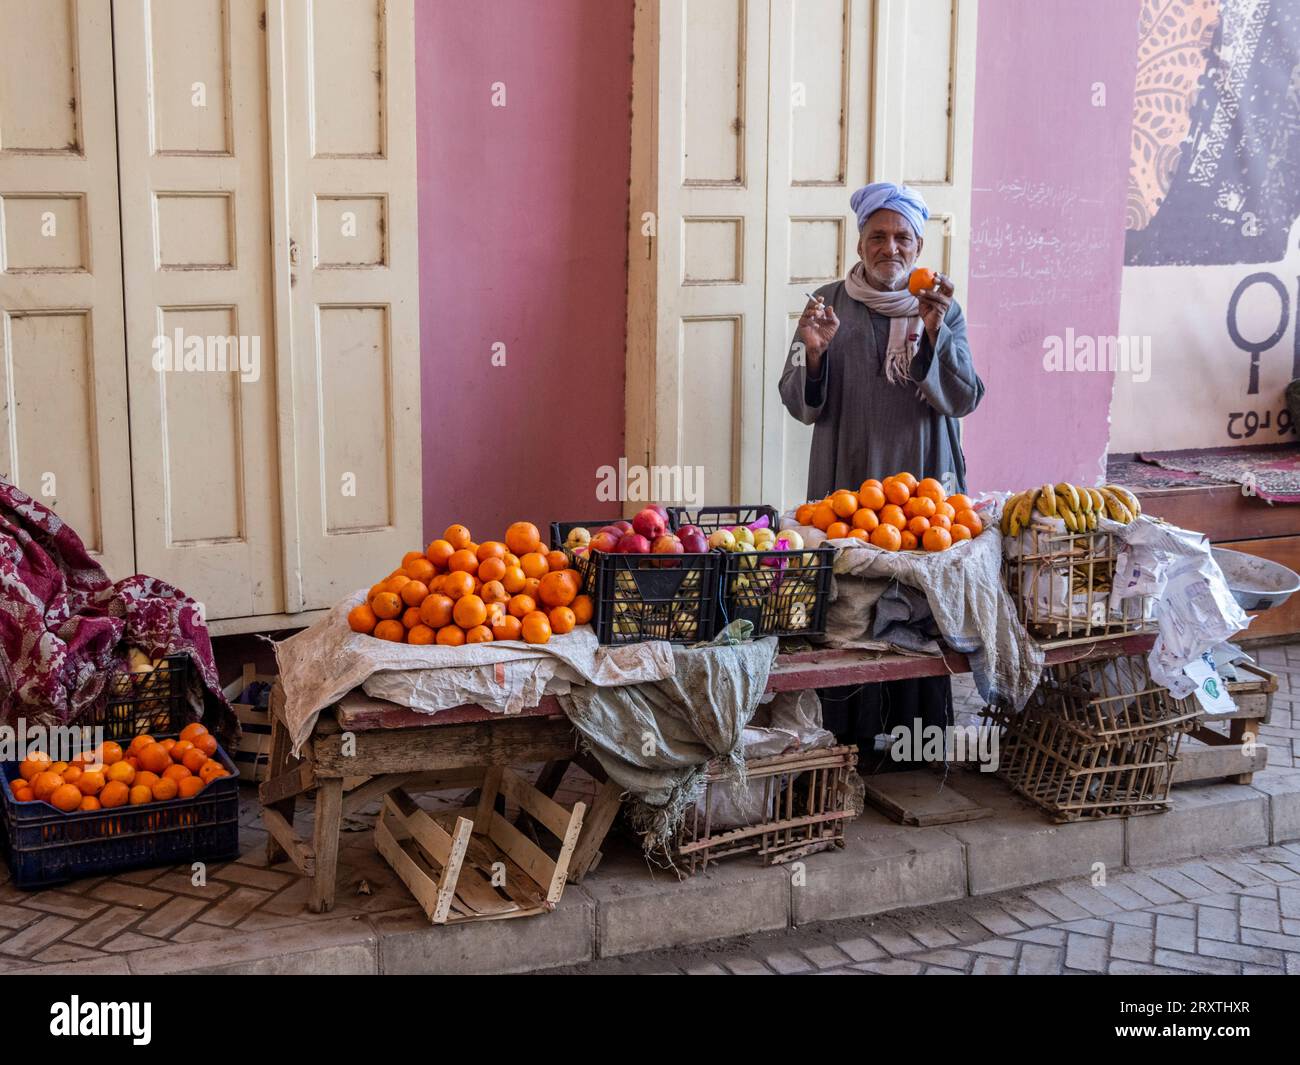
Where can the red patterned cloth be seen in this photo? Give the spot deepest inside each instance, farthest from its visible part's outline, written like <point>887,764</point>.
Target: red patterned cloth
<point>65,627</point>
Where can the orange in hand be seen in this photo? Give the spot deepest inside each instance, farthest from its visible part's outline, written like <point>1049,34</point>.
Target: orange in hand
<point>921,279</point>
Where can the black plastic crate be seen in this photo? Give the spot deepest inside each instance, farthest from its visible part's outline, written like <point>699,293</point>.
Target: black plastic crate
<point>153,702</point>
<point>784,593</point>
<point>654,597</point>
<point>582,563</point>
<point>46,846</point>
<point>711,519</point>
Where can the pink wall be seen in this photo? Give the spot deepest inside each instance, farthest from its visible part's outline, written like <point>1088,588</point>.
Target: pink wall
<point>1047,237</point>
<point>523,218</point>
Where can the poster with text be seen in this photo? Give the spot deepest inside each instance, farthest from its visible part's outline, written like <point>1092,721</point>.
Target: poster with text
<point>1211,283</point>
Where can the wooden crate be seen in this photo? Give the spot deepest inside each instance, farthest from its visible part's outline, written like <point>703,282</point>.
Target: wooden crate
<point>476,866</point>
<point>1239,755</point>
<point>1050,562</point>
<point>804,797</point>
<point>1098,739</point>
<point>252,754</point>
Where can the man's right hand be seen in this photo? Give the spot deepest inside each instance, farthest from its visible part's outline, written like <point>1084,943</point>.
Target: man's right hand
<point>817,328</point>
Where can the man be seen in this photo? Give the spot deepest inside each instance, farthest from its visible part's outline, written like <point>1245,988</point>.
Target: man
<point>883,376</point>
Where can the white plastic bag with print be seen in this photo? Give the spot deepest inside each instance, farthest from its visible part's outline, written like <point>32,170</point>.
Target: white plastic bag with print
<point>1195,611</point>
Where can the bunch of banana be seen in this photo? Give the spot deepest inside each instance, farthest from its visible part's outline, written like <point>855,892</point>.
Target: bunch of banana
<point>1078,507</point>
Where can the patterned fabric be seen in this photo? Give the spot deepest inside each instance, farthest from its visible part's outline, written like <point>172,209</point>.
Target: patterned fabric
<point>65,627</point>
<point>1173,51</point>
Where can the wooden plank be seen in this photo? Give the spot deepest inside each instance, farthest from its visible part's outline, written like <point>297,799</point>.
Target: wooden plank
<point>329,817</point>
<point>921,798</point>
<point>1222,512</point>
<point>567,845</point>
<point>293,782</point>
<point>1214,763</point>
<point>372,789</point>
<point>298,851</point>
<point>487,798</point>
<point>837,667</point>
<point>541,807</point>
<point>595,827</point>
<point>357,711</point>
<point>512,741</point>
<point>520,849</point>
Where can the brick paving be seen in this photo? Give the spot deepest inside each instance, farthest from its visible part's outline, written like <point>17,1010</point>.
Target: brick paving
<point>1239,930</point>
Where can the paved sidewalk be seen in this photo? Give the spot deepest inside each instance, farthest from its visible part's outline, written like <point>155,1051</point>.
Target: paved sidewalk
<point>1237,913</point>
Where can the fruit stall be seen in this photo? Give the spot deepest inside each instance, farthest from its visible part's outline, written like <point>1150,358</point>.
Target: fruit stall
<point>458,667</point>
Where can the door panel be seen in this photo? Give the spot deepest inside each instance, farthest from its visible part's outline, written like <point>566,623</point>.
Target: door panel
<point>821,66</point>
<point>351,263</point>
<point>709,355</point>
<point>196,211</point>
<point>63,431</point>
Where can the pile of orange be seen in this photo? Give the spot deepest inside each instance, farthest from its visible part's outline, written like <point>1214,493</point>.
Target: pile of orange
<point>899,513</point>
<point>148,770</point>
<point>457,591</point>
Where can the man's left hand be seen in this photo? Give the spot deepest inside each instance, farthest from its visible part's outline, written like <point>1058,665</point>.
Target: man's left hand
<point>934,305</point>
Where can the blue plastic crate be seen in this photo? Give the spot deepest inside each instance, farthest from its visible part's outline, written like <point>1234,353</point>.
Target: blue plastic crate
<point>47,846</point>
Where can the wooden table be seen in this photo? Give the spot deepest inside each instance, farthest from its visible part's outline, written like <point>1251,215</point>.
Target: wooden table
<point>362,748</point>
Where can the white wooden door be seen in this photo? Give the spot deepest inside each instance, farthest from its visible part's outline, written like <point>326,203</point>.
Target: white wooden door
<point>925,102</point>
<point>748,189</point>
<point>820,86</point>
<point>63,432</point>
<point>712,179</point>
<point>196,218</point>
<point>352,267</point>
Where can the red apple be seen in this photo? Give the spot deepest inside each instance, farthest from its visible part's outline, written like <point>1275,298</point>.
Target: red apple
<point>605,541</point>
<point>624,526</point>
<point>667,544</point>
<point>693,539</point>
<point>650,524</point>
<point>633,544</point>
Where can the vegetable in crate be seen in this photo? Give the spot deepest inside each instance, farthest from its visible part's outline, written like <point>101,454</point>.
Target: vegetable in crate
<point>457,591</point>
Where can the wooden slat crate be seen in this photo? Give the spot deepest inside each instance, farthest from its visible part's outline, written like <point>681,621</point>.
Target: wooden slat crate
<point>1096,740</point>
<point>252,754</point>
<point>803,799</point>
<point>475,865</point>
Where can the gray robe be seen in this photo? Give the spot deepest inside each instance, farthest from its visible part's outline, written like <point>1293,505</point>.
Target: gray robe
<point>866,427</point>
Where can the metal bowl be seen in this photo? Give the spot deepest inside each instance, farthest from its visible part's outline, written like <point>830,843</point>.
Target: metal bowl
<point>1256,583</point>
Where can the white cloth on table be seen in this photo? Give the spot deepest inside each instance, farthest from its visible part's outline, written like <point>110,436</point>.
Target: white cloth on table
<point>327,660</point>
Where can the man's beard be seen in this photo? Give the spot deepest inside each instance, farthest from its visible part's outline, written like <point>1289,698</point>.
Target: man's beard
<point>888,284</point>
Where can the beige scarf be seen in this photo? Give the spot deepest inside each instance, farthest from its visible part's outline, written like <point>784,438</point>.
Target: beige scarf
<point>904,313</point>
